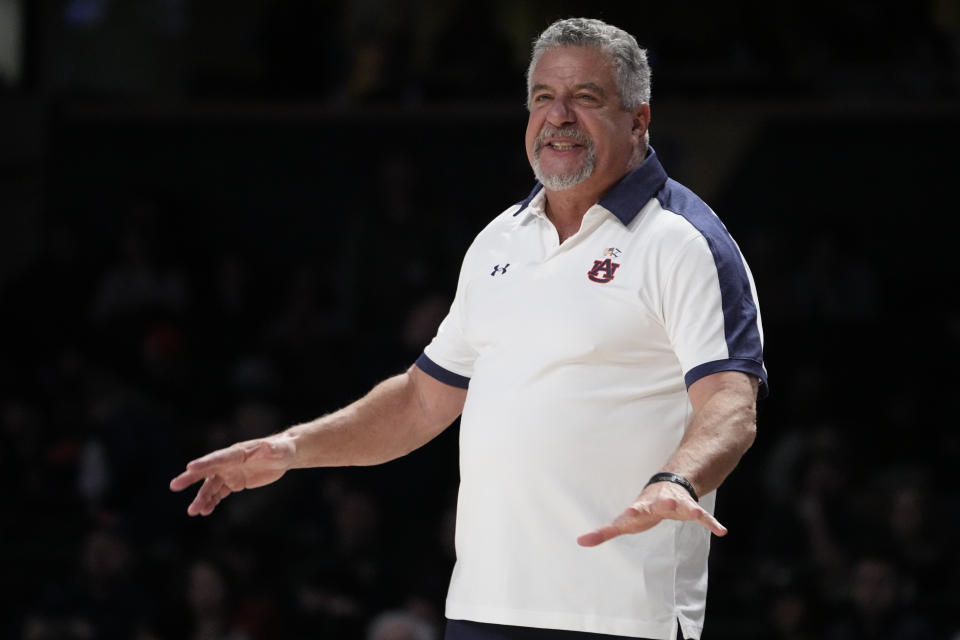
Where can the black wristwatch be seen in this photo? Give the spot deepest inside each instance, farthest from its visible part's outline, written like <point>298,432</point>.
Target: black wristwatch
<point>666,476</point>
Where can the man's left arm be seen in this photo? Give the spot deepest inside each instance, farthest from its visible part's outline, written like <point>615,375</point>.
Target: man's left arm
<point>722,428</point>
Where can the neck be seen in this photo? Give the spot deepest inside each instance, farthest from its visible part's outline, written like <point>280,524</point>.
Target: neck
<point>566,220</point>
<point>566,208</point>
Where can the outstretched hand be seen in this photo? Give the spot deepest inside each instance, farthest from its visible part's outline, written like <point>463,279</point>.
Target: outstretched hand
<point>657,502</point>
<point>244,465</point>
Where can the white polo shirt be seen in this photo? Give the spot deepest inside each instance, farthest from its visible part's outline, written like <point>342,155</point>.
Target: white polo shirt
<point>577,358</point>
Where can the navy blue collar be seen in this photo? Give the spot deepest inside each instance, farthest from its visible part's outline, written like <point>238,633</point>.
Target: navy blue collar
<point>629,195</point>
<point>526,201</point>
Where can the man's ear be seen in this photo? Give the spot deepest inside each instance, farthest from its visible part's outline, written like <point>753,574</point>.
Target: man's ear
<point>641,120</point>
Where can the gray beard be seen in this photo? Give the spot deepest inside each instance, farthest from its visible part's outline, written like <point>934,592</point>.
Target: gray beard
<point>560,182</point>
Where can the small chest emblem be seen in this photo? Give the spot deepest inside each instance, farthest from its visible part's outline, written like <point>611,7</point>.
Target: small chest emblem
<point>603,270</point>
<point>498,269</point>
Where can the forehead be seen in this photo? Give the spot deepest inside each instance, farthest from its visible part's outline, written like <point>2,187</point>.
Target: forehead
<point>571,65</point>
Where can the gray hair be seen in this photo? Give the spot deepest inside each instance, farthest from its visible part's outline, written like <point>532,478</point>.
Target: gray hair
<point>632,69</point>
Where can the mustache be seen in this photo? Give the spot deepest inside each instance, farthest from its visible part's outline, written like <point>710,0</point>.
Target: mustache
<point>571,133</point>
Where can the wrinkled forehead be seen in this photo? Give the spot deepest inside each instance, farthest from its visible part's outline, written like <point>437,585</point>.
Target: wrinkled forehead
<point>569,64</point>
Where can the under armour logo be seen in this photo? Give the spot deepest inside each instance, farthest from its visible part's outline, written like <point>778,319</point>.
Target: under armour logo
<point>502,269</point>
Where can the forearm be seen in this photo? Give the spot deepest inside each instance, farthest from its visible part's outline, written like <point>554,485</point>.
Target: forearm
<point>719,434</point>
<point>385,424</point>
<point>722,429</point>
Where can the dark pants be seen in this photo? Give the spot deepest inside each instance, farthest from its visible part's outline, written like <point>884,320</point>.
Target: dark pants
<point>466,630</point>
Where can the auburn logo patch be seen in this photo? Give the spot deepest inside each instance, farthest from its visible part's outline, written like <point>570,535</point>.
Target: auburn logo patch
<point>603,270</point>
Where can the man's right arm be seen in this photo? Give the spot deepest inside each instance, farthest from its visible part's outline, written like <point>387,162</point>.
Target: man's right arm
<point>397,416</point>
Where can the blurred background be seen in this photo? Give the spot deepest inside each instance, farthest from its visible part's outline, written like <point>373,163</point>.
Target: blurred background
<point>221,218</point>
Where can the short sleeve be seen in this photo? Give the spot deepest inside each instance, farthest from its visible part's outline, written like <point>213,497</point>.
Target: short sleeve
<point>710,310</point>
<point>449,357</point>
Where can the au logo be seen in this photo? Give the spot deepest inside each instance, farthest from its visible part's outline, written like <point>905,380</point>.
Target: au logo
<point>604,270</point>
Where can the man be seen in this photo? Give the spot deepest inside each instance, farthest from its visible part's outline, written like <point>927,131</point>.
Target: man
<point>607,330</point>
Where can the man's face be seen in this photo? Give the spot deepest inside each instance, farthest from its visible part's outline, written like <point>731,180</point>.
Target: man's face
<point>577,131</point>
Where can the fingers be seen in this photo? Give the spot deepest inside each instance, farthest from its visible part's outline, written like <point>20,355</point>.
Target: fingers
<point>711,523</point>
<point>208,465</point>
<point>206,468</point>
<point>210,462</point>
<point>184,480</point>
<point>202,501</point>
<point>211,492</point>
<point>685,509</point>
<point>630,521</point>
<point>643,515</point>
<point>599,536</point>
<point>244,465</point>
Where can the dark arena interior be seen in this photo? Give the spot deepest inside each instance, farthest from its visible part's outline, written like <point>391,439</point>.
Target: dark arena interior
<point>218,219</point>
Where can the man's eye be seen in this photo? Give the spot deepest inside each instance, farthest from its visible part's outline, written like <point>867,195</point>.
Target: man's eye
<point>587,97</point>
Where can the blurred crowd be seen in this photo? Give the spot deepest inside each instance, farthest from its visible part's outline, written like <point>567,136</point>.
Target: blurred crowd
<point>129,350</point>
<point>119,367</point>
<point>420,51</point>
<point>169,303</point>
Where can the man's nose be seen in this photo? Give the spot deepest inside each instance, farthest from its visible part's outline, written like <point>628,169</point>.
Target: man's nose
<point>560,113</point>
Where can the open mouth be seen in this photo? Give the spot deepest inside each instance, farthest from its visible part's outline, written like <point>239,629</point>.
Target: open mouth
<point>563,146</point>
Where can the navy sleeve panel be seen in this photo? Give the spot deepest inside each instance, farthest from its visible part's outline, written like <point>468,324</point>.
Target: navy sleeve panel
<point>740,317</point>
<point>434,370</point>
<point>750,367</point>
